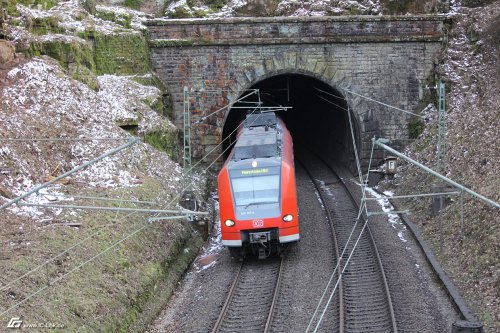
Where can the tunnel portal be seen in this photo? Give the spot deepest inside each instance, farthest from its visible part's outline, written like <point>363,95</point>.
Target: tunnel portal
<point>387,59</point>
<point>318,117</point>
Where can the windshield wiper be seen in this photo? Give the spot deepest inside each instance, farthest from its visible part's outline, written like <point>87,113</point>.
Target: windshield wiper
<point>259,203</point>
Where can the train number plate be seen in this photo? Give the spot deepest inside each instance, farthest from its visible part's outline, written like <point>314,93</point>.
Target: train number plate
<point>258,223</point>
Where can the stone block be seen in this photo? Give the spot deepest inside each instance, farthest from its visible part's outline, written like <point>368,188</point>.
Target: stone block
<point>7,51</point>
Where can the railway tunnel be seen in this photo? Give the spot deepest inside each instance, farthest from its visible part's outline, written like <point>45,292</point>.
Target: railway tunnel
<point>318,117</point>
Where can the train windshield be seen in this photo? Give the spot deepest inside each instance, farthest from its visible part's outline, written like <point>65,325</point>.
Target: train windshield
<point>256,186</point>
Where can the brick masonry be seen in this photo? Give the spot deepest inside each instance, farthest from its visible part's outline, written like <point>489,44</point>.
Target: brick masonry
<point>383,57</point>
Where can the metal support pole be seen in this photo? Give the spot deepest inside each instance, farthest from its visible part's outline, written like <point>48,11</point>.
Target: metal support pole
<point>187,172</point>
<point>163,218</point>
<point>388,212</point>
<point>104,199</point>
<point>414,196</point>
<point>462,214</point>
<point>116,209</point>
<point>131,142</point>
<point>379,142</point>
<point>441,145</point>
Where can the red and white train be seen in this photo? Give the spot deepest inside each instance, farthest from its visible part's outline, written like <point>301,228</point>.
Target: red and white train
<point>257,193</point>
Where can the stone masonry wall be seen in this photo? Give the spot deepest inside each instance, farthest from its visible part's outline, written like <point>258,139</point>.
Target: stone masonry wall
<point>385,58</point>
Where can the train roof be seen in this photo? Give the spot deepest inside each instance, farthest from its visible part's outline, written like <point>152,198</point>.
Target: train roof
<point>261,119</point>
<point>261,138</point>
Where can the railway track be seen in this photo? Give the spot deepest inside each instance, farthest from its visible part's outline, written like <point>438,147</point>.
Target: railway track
<point>250,303</point>
<point>363,302</point>
<point>336,313</point>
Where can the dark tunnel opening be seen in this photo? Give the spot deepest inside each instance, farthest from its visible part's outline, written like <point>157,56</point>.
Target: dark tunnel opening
<point>318,118</point>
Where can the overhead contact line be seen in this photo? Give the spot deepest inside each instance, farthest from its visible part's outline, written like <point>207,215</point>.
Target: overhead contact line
<point>136,231</point>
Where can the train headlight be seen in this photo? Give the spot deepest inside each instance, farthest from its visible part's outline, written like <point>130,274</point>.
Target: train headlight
<point>229,223</point>
<point>288,218</point>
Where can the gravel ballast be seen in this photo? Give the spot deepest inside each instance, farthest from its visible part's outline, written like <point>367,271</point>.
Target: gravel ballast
<point>419,302</point>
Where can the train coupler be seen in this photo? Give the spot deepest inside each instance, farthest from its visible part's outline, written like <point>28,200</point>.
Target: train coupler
<point>263,254</point>
<point>260,237</point>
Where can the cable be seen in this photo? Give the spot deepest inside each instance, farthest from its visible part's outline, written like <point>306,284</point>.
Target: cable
<point>362,205</point>
<point>362,208</point>
<point>384,104</point>
<point>98,231</point>
<point>225,107</point>
<point>72,270</point>
<point>114,244</point>
<point>340,277</point>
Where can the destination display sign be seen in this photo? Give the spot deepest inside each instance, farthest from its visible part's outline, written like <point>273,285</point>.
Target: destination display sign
<point>254,171</point>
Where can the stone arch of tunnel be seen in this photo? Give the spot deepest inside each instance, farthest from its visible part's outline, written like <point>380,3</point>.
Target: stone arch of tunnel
<point>318,117</point>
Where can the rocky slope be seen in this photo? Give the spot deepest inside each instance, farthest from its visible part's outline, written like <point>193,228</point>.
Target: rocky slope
<point>469,67</point>
<point>86,269</point>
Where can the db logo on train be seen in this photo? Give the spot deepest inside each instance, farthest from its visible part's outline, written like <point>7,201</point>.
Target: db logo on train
<point>258,223</point>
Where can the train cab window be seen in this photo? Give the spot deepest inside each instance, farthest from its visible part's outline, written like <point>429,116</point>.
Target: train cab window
<point>256,189</point>
<point>253,187</point>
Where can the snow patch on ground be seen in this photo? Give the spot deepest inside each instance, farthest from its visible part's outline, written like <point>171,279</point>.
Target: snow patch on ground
<point>319,199</point>
<point>213,247</point>
<point>325,188</point>
<point>393,219</point>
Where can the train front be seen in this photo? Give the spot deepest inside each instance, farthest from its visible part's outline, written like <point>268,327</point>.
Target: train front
<point>258,205</point>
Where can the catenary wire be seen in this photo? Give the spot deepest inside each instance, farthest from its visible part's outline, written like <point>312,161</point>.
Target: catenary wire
<point>119,241</point>
<point>362,206</point>
<point>101,229</point>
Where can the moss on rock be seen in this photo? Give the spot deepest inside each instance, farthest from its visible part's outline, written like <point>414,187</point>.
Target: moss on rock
<point>10,5</point>
<point>167,141</point>
<point>67,52</point>
<point>415,128</point>
<point>44,25</point>
<point>128,283</point>
<point>162,106</point>
<point>84,75</point>
<point>123,19</point>
<point>122,53</point>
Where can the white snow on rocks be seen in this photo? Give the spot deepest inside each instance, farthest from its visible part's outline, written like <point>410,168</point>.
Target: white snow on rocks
<point>40,101</point>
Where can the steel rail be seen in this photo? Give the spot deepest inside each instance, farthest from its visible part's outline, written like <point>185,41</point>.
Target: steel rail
<point>275,297</point>
<point>237,282</point>
<point>229,297</point>
<point>375,248</point>
<point>336,247</point>
<point>372,240</point>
